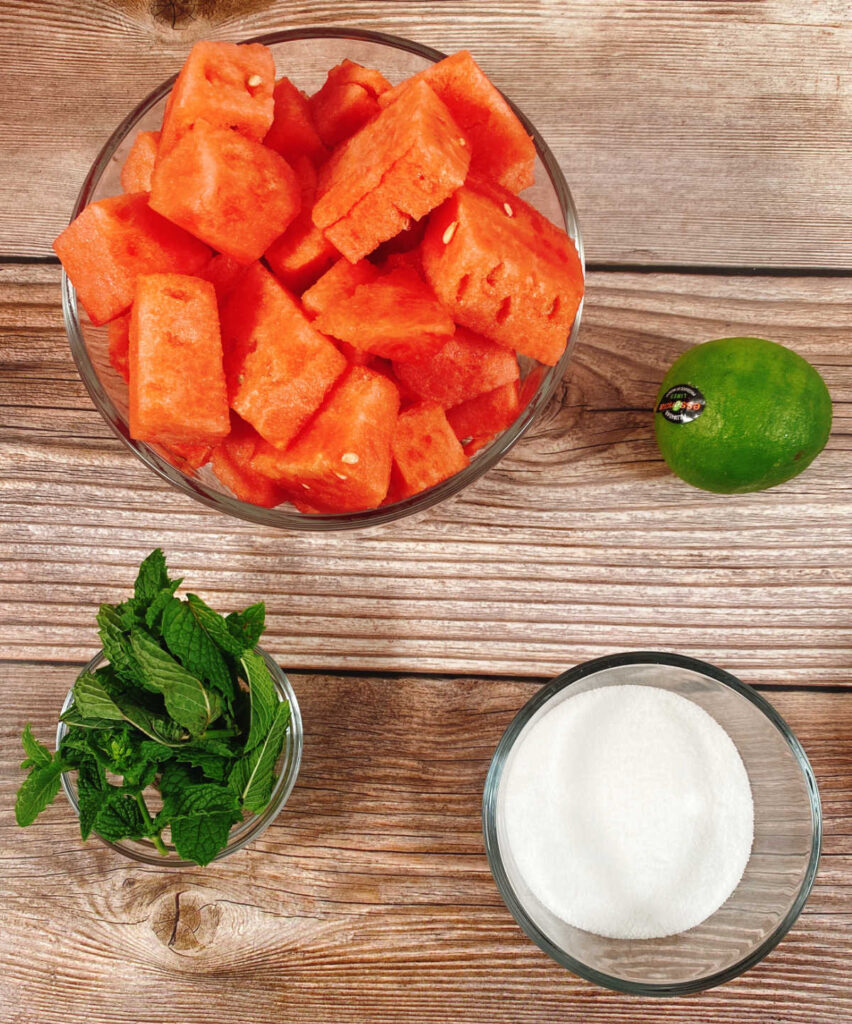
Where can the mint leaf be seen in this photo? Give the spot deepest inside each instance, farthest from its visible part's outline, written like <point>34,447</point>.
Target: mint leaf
<point>37,753</point>
<point>91,786</point>
<point>116,644</point>
<point>38,790</point>
<point>93,700</point>
<point>155,608</point>
<point>200,818</point>
<point>99,709</point>
<point>187,701</point>
<point>152,577</point>
<point>254,774</point>
<point>248,626</point>
<point>120,817</point>
<point>187,639</point>
<point>74,716</point>
<point>173,779</point>
<point>216,626</point>
<point>214,766</point>
<point>262,696</point>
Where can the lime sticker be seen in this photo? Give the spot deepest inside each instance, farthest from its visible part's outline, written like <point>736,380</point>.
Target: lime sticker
<point>681,404</point>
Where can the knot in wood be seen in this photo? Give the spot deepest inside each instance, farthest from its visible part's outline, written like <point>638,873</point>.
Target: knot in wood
<point>186,921</point>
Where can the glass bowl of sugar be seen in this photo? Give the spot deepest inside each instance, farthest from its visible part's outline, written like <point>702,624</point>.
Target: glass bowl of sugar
<point>652,823</point>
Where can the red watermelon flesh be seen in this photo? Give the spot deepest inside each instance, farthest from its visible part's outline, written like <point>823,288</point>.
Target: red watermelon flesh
<point>501,150</point>
<point>396,316</point>
<point>337,285</point>
<point>410,260</point>
<point>355,356</point>
<point>187,457</point>
<point>465,367</point>
<point>484,416</point>
<point>118,345</point>
<point>177,384</point>
<point>293,133</point>
<point>341,462</point>
<point>139,163</point>
<point>402,244</point>
<point>232,464</point>
<point>503,270</point>
<point>394,170</point>
<point>227,85</point>
<point>232,192</point>
<point>224,273</point>
<point>112,241</point>
<point>278,367</point>
<point>425,449</point>
<point>347,100</point>
<point>302,253</point>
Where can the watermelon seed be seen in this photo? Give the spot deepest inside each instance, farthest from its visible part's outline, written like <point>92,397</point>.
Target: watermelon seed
<point>447,237</point>
<point>349,457</point>
<point>340,476</point>
<point>306,486</point>
<point>462,142</point>
<point>508,209</point>
<point>255,81</point>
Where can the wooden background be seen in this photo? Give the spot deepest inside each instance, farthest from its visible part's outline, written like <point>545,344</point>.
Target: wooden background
<point>709,148</point>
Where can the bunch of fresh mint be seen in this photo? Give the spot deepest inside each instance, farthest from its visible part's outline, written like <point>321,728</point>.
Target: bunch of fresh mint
<point>185,707</point>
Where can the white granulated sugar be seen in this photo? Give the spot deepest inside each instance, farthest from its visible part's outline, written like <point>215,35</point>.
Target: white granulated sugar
<point>628,812</point>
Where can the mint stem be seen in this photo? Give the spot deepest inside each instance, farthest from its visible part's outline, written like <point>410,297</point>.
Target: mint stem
<point>155,837</point>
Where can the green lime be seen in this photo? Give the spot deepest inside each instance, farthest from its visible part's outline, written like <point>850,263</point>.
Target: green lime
<point>741,414</point>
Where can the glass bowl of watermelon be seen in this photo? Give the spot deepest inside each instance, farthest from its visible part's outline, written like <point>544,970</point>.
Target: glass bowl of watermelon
<point>323,299</point>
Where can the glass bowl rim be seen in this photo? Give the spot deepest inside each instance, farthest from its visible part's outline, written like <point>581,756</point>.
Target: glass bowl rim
<point>495,860</point>
<point>279,517</point>
<point>243,833</point>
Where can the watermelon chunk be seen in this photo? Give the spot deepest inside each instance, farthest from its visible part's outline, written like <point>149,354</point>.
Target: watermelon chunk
<point>341,462</point>
<point>403,244</point>
<point>425,449</point>
<point>187,457</point>
<point>227,85</point>
<point>230,191</point>
<point>177,384</point>
<point>500,147</point>
<point>293,133</point>
<point>337,285</point>
<point>232,464</point>
<point>277,366</point>
<point>478,420</point>
<point>396,169</point>
<point>503,270</point>
<point>355,356</point>
<point>139,163</point>
<point>347,101</point>
<point>112,241</point>
<point>396,316</point>
<point>302,253</point>
<point>118,345</point>
<point>224,273</point>
<point>465,367</point>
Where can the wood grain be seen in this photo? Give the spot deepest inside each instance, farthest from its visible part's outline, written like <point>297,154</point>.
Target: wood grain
<point>579,543</point>
<point>690,132</point>
<point>370,897</point>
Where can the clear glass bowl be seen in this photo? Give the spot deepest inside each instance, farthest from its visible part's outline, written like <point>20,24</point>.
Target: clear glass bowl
<point>306,55</point>
<point>244,832</point>
<point>779,874</point>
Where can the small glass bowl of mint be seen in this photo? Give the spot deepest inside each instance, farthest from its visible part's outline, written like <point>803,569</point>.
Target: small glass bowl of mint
<point>181,740</point>
<point>205,831</point>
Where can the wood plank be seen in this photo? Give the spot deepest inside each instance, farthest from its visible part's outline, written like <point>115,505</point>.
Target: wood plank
<point>370,897</point>
<point>579,544</point>
<point>690,132</point>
